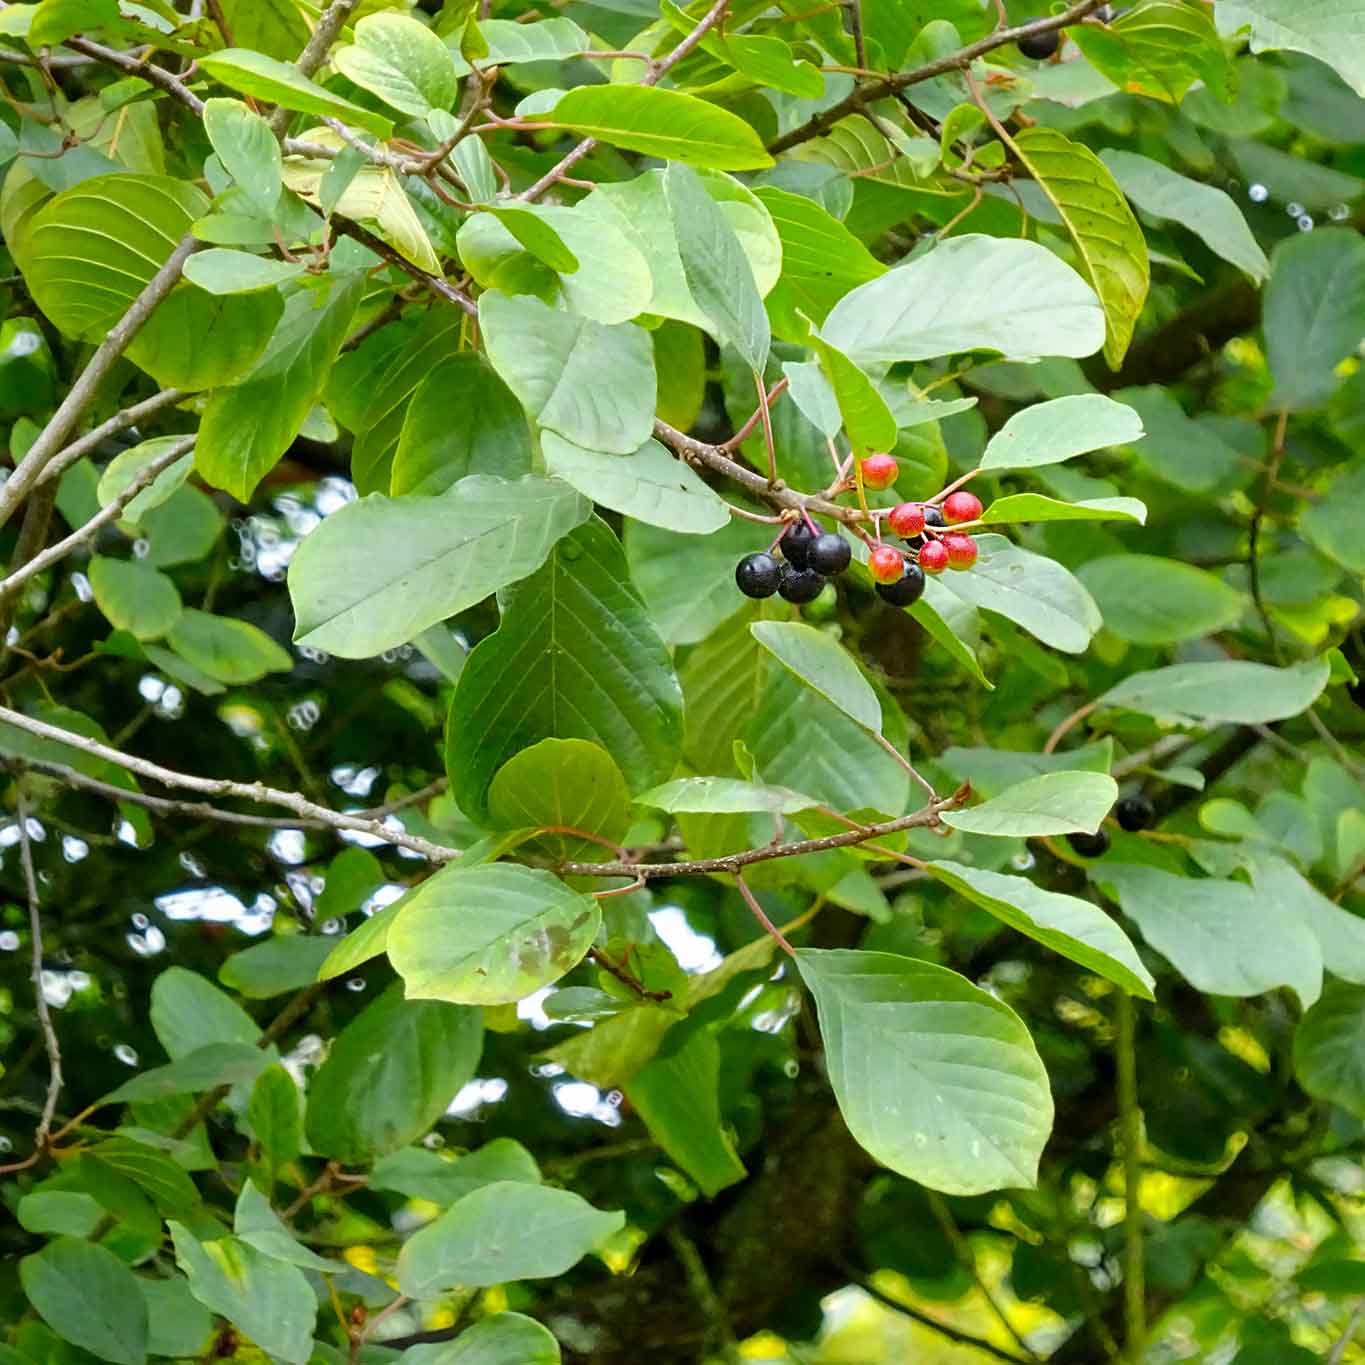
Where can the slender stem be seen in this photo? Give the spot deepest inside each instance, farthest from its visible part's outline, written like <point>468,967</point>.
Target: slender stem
<point>35,925</point>
<point>1272,470</point>
<point>757,911</point>
<point>1130,1132</point>
<point>755,417</point>
<point>315,51</point>
<point>63,421</point>
<point>1348,1335</point>
<point>1075,718</point>
<point>442,288</point>
<point>120,421</point>
<point>767,428</point>
<point>1339,750</point>
<point>103,517</point>
<point>905,763</point>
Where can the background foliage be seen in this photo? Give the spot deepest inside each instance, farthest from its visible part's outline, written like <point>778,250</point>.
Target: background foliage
<point>409,823</point>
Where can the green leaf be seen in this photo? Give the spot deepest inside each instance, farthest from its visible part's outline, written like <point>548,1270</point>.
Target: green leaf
<point>1149,600</point>
<point>1314,313</point>
<point>1052,803</point>
<point>53,1213</point>
<point>402,62</point>
<point>490,935</point>
<point>935,1077</point>
<point>1107,237</point>
<point>1340,934</point>
<point>638,210</point>
<point>1231,692</point>
<point>1047,433</point>
<point>821,261</point>
<point>283,963</point>
<point>434,453</point>
<point>272,26</point>
<point>155,1171</point>
<point>1332,523</point>
<point>89,1298</point>
<point>247,428</point>
<point>264,78</point>
<point>1219,935</point>
<point>364,942</point>
<point>864,413</point>
<point>249,151</point>
<point>222,271</point>
<point>716,269</point>
<point>88,253</point>
<point>823,664</point>
<point>1030,507</point>
<point>134,596</point>
<point>1034,592</point>
<point>649,485</point>
<point>969,293</point>
<point>503,1232</point>
<point>545,40</point>
<point>537,235</point>
<point>423,1174</point>
<point>1159,49</point>
<point>562,782</point>
<point>188,1012</point>
<point>553,361</point>
<point>723,796</point>
<point>677,1095</point>
<point>177,1323</point>
<point>275,1113</point>
<point>1067,925</point>
<point>1187,452</point>
<point>1325,30</point>
<point>208,1066</point>
<point>947,621</point>
<point>183,529</point>
<point>1329,1048</point>
<point>662,123</point>
<point>503,1339</point>
<point>379,571</point>
<point>575,657</point>
<point>229,650</point>
<point>391,1073</point>
<point>124,468</point>
<point>197,340</point>
<point>1335,1278</point>
<point>268,1301</point>
<point>1205,210</point>
<point>259,1226</point>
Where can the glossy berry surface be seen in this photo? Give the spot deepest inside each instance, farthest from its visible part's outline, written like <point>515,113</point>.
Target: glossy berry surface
<point>933,557</point>
<point>829,553</point>
<point>907,590</point>
<point>933,516</point>
<point>1089,845</point>
<point>1040,46</point>
<point>886,564</point>
<point>758,575</point>
<point>801,585</point>
<point>880,471</point>
<point>796,542</point>
<point>1134,813</point>
<point>906,519</point>
<point>961,550</point>
<point>961,506</point>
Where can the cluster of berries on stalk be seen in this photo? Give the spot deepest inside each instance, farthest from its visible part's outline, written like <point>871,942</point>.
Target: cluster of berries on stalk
<point>810,555</point>
<point>1133,813</point>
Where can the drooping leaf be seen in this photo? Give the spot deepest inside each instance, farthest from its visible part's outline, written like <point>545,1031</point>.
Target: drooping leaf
<point>1155,601</point>
<point>1326,30</point>
<point>822,663</point>
<point>1107,237</point>
<point>222,271</point>
<point>723,796</point>
<point>1047,433</point>
<point>421,1173</point>
<point>249,151</point>
<point>204,1068</point>
<point>259,1226</point>
<point>423,559</point>
<point>287,962</point>
<point>390,1075</point>
<point>1159,49</point>
<point>401,61</point>
<point>935,1077</point>
<point>89,1298</point>
<point>1014,508</point>
<point>1052,803</point>
<point>574,658</point>
<point>503,1232</point>
<point>275,1112</point>
<point>134,596</point>
<point>1329,1048</point>
<point>1232,692</point>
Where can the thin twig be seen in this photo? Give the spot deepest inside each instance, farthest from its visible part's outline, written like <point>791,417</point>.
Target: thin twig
<point>109,513</point>
<point>438,286</point>
<point>905,763</point>
<point>35,925</point>
<point>757,911</point>
<point>1254,534</point>
<point>1130,1132</point>
<point>1338,1351</point>
<point>1075,718</point>
<point>315,51</point>
<point>120,421</point>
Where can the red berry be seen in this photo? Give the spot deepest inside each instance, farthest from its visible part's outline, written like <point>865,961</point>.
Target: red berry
<point>907,519</point>
<point>886,564</point>
<point>961,550</point>
<point>933,557</point>
<point>880,471</point>
<point>961,506</point>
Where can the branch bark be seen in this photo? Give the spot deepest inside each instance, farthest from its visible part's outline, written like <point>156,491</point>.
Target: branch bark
<point>35,923</point>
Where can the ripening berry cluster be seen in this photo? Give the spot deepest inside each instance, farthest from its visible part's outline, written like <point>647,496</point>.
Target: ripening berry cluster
<point>809,555</point>
<point>1133,813</point>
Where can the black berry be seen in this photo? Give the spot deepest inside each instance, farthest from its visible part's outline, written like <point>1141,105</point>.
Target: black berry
<point>796,542</point>
<point>1040,45</point>
<point>758,575</point>
<point>933,516</point>
<point>829,553</point>
<point>1089,845</point>
<point>906,591</point>
<point>1134,813</point>
<point>801,585</point>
